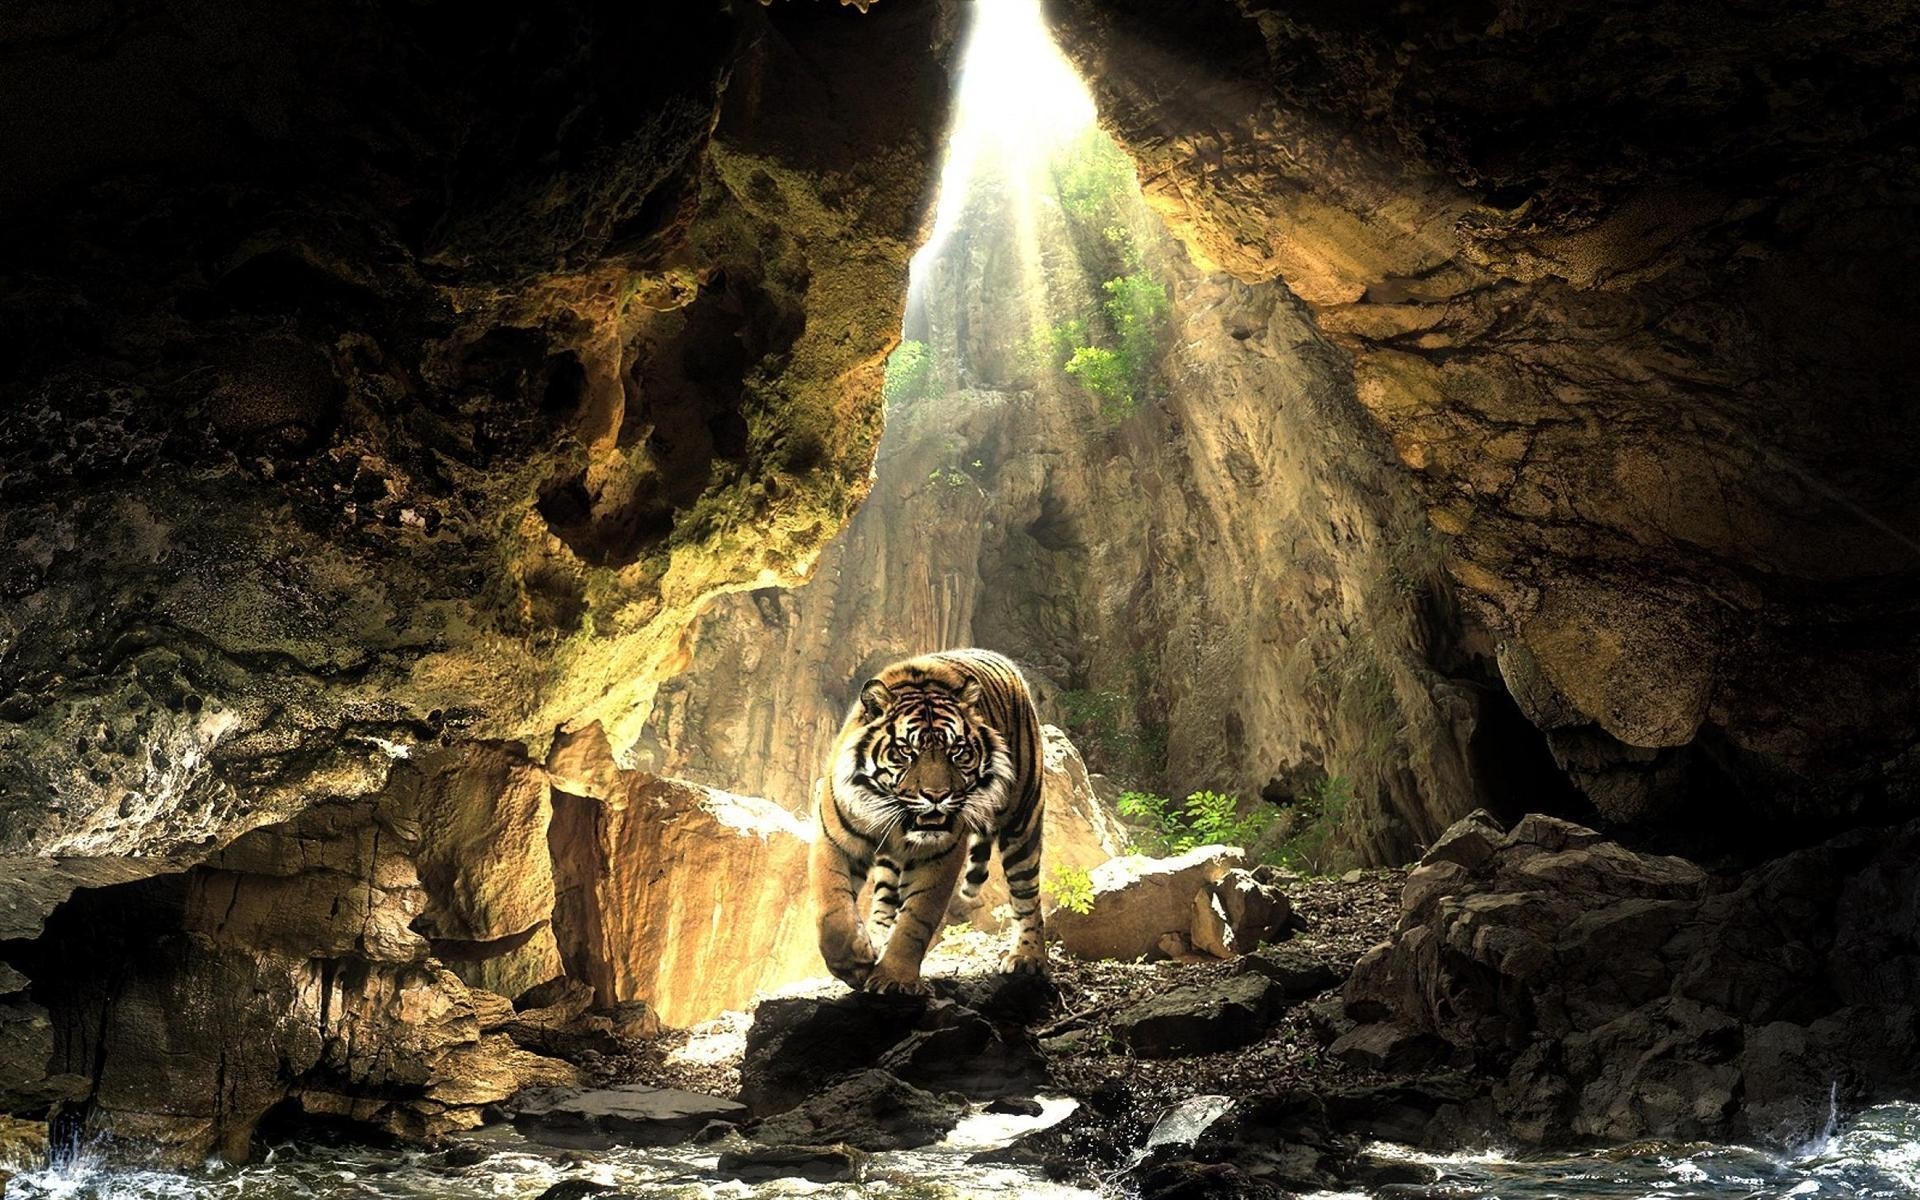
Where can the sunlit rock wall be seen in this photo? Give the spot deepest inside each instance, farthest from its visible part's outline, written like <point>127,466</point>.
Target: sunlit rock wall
<point>1628,310</point>
<point>1239,573</point>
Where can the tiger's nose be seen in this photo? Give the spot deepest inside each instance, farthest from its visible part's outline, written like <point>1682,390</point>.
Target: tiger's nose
<point>935,794</point>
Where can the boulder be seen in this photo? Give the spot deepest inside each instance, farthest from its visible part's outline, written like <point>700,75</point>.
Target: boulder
<point>1139,900</point>
<point>1201,1018</point>
<point>1297,975</point>
<point>1384,1046</point>
<point>818,1164</point>
<point>797,1047</point>
<point>872,1110</point>
<point>630,1115</point>
<point>1235,913</point>
<point>681,896</point>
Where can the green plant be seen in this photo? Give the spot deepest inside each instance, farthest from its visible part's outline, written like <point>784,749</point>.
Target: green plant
<point>1203,819</point>
<point>1103,373</point>
<point>1091,175</point>
<point>1071,888</point>
<point>909,373</point>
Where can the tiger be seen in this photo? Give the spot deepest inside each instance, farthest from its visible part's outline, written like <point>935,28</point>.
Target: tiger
<point>938,762</point>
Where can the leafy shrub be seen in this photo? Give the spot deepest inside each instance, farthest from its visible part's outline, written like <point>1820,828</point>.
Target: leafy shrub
<point>1202,819</point>
<point>1092,174</point>
<point>1103,373</point>
<point>1071,888</point>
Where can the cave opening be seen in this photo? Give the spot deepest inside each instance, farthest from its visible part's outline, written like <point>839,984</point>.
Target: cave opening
<point>1445,475</point>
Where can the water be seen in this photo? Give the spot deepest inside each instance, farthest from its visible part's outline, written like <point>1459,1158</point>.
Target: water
<point>500,1163</point>
<point>1873,1156</point>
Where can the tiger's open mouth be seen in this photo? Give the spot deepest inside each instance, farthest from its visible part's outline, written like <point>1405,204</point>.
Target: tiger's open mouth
<point>933,822</point>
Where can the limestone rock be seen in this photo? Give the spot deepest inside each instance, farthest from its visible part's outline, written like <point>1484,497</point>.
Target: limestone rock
<point>1235,913</point>
<point>1201,1018</point>
<point>1138,900</point>
<point>682,896</point>
<point>797,1047</point>
<point>630,1115</point>
<point>870,1111</point>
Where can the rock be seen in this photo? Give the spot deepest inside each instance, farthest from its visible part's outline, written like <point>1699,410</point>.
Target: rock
<point>820,1164</point>
<point>1296,973</point>
<point>1200,1018</point>
<point>578,1189</point>
<point>872,1110</point>
<point>629,1115</point>
<point>1615,995</point>
<point>681,896</point>
<point>580,762</point>
<point>1384,1046</point>
<point>1237,912</point>
<point>798,1046</point>
<point>1016,1106</point>
<point>1138,900</point>
<point>1468,843</point>
<point>23,1145</point>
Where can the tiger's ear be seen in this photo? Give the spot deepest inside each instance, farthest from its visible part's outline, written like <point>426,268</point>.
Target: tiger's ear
<point>971,694</point>
<point>874,698</point>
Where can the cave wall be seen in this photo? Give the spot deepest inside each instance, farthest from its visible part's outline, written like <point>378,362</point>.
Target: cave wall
<point>391,374</point>
<point>1622,286</point>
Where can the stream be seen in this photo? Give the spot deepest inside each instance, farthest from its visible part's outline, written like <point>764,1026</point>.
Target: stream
<point>1873,1156</point>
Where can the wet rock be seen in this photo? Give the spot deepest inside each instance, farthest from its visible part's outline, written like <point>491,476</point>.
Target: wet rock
<point>820,1164</point>
<point>1200,1018</point>
<point>1235,913</point>
<point>1016,1106</point>
<point>579,1189</point>
<point>798,1046</point>
<point>872,1110</point>
<point>1137,901</point>
<point>630,1115</point>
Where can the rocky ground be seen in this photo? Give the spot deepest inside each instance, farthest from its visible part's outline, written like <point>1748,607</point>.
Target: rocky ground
<point>1101,1029</point>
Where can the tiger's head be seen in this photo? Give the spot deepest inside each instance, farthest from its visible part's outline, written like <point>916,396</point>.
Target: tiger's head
<point>923,760</point>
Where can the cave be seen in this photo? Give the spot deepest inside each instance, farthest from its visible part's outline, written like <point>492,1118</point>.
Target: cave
<point>1383,536</point>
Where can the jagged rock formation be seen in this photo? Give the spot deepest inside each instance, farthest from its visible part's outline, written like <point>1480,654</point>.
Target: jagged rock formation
<point>1624,305</point>
<point>358,960</point>
<point>1615,996</point>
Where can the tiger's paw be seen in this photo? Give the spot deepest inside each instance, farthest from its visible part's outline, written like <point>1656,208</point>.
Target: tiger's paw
<point>889,983</point>
<point>1024,962</point>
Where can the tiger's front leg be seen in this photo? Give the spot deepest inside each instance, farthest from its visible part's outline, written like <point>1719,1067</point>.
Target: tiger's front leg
<point>926,887</point>
<point>835,879</point>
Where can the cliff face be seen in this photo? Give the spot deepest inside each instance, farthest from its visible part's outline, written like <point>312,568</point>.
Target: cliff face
<point>1231,587</point>
<point>1619,285</point>
<point>426,392</point>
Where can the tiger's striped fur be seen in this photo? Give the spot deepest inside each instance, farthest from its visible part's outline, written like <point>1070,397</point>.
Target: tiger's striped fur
<point>938,763</point>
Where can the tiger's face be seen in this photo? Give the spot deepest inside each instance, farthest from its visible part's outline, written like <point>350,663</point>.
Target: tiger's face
<point>925,762</point>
